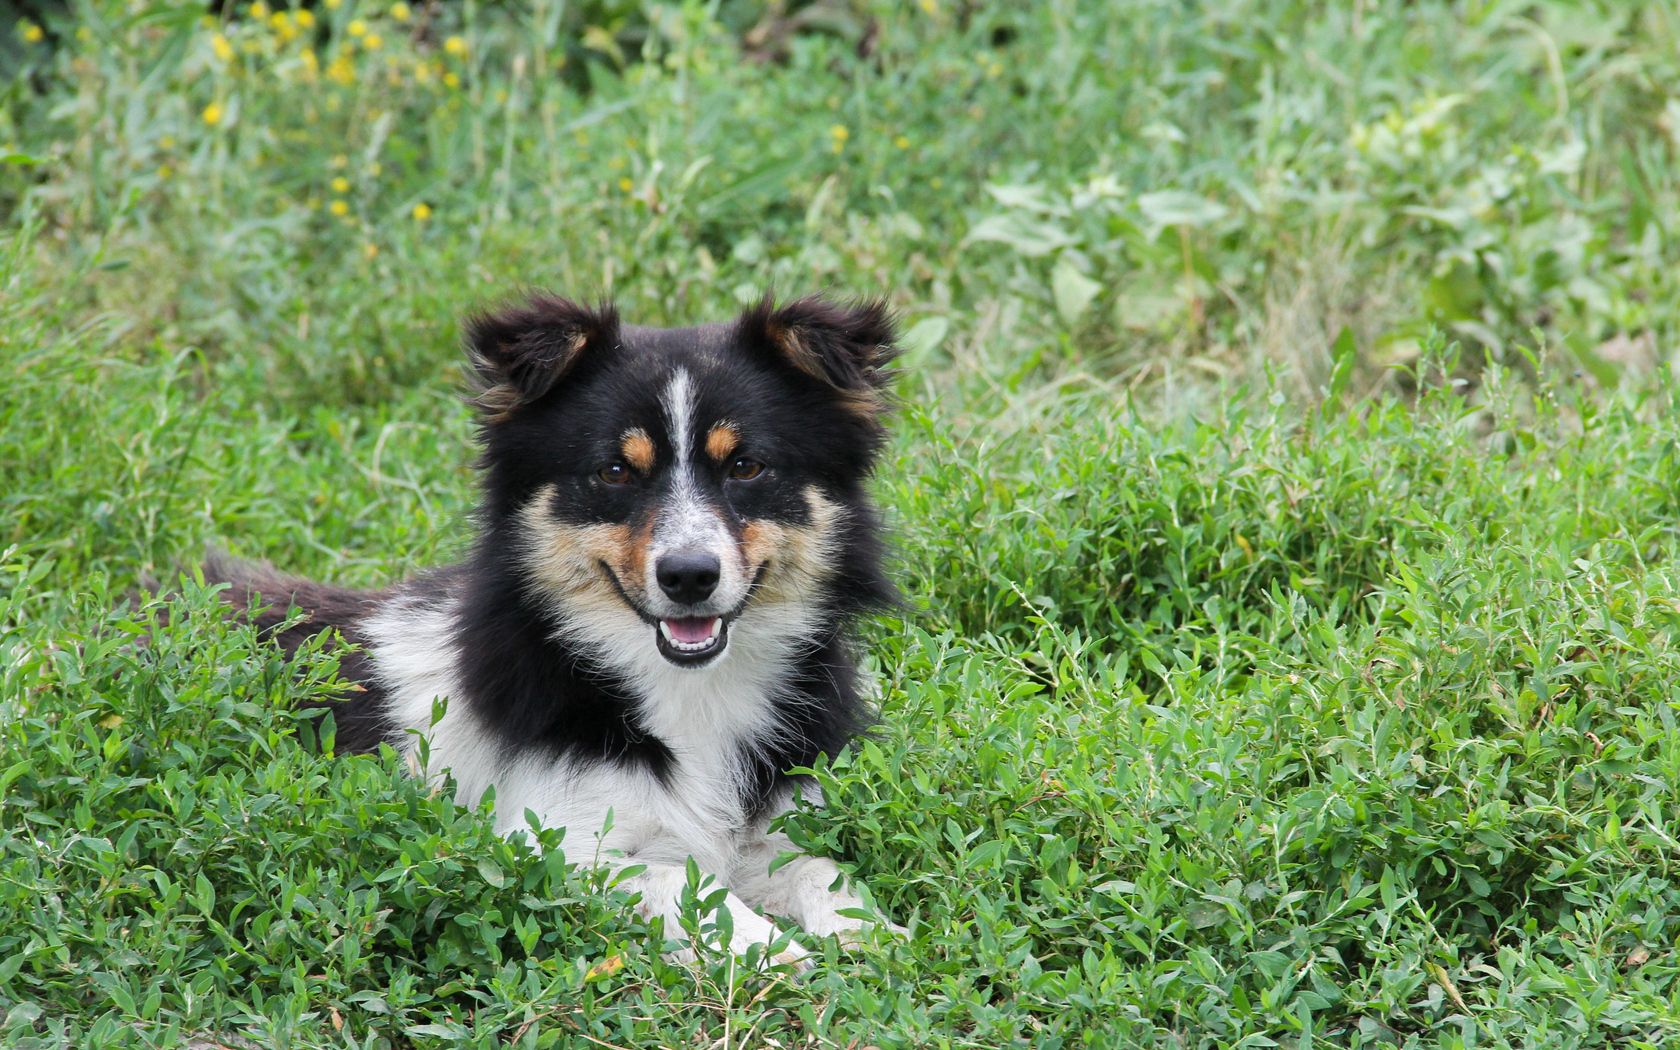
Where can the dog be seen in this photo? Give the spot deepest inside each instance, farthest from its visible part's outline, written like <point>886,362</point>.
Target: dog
<point>674,543</point>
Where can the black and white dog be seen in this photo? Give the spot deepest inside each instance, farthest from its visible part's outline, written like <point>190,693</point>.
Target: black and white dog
<point>674,539</point>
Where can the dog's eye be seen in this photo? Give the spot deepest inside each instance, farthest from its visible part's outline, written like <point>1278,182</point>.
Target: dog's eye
<point>614,474</point>
<point>745,468</point>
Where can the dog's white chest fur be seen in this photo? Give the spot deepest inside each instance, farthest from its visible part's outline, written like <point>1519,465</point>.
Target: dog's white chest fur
<point>695,810</point>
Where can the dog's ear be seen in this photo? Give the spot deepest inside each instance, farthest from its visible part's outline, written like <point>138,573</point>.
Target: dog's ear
<point>519,352</point>
<point>846,346</point>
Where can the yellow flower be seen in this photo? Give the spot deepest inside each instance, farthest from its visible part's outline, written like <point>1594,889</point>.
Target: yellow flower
<point>341,185</point>
<point>902,142</point>
<point>331,5</point>
<point>455,45</point>
<point>370,249</point>
<point>258,10</point>
<point>212,114</point>
<point>422,211</point>
<point>164,171</point>
<point>339,208</point>
<point>342,70</point>
<point>930,6</point>
<point>341,161</point>
<point>451,80</point>
<point>224,50</point>
<point>399,11</point>
<point>84,34</point>
<point>626,185</point>
<point>840,134</point>
<point>305,18</point>
<point>357,27</point>
<point>32,33</point>
<point>310,62</point>
<point>422,73</point>
<point>372,41</point>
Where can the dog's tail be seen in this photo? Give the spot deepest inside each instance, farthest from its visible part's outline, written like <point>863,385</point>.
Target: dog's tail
<point>269,597</point>
<point>291,610</point>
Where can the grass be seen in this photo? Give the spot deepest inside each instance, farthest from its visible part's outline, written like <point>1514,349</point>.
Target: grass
<point>1287,494</point>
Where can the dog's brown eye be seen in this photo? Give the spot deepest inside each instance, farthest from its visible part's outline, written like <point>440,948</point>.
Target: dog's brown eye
<point>745,469</point>
<point>614,474</point>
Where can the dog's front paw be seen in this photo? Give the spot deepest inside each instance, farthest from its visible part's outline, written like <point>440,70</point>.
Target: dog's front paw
<point>751,937</point>
<point>853,929</point>
<point>864,933</point>
<point>774,948</point>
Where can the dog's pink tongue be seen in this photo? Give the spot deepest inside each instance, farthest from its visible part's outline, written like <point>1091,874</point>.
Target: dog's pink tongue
<point>691,631</point>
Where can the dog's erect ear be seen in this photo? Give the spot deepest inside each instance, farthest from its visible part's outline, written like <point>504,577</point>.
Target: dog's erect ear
<point>847,346</point>
<point>519,352</point>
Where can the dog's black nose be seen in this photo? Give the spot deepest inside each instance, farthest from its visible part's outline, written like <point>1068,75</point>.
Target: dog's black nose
<point>687,576</point>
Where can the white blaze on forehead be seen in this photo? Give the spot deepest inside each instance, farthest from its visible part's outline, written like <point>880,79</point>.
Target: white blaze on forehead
<point>687,522</point>
<point>678,400</point>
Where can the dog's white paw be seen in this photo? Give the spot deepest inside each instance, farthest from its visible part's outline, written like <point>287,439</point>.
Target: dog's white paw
<point>751,935</point>
<point>852,931</point>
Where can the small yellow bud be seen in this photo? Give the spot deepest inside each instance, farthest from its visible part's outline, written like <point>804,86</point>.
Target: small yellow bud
<point>305,18</point>
<point>357,27</point>
<point>372,42</point>
<point>455,45</point>
<point>339,207</point>
<point>422,211</point>
<point>219,44</point>
<point>31,33</point>
<point>341,185</point>
<point>258,10</point>
<point>212,114</point>
<point>400,11</point>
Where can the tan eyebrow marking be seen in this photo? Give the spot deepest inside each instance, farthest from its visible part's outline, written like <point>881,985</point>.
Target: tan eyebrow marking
<point>721,441</point>
<point>638,449</point>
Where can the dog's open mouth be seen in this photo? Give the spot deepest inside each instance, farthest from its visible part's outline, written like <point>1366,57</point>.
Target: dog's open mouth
<point>692,640</point>
<point>688,641</point>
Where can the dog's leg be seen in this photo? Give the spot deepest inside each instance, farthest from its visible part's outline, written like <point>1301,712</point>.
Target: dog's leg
<point>662,888</point>
<point>811,891</point>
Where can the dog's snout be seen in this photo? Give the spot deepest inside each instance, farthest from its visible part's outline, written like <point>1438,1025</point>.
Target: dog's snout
<point>688,577</point>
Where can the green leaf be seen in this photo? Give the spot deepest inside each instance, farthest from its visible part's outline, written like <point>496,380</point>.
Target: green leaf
<point>925,335</point>
<point>1179,208</point>
<point>492,873</point>
<point>1073,290</point>
<point>1030,237</point>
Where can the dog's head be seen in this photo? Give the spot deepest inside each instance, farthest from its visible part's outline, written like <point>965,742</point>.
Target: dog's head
<point>661,488</point>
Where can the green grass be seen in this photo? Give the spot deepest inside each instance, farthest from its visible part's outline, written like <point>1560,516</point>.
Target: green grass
<point>1287,495</point>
